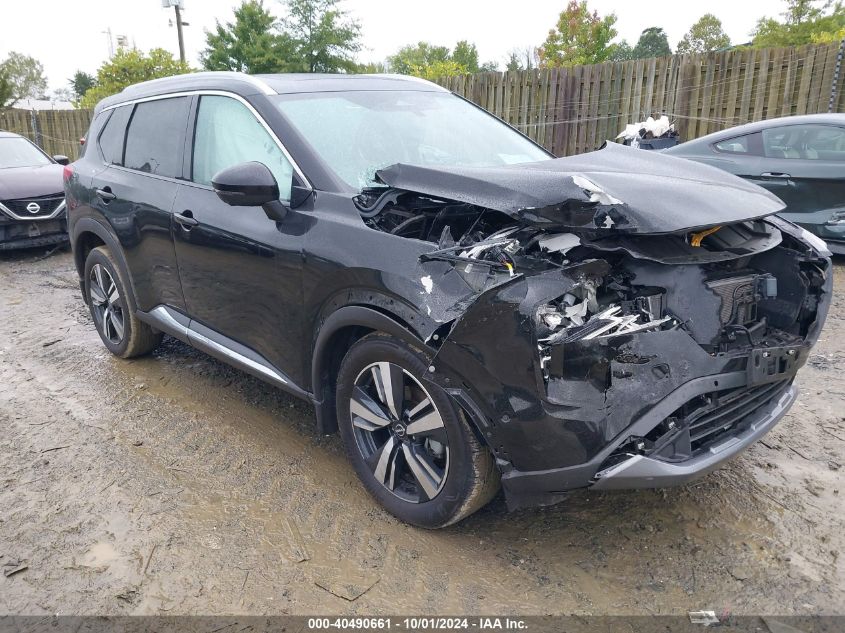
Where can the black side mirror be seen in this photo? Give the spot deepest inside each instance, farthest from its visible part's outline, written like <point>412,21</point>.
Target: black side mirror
<point>250,184</point>
<point>61,159</point>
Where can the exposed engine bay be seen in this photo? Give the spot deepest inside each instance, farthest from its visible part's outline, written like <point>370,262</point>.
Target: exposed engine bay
<point>620,308</point>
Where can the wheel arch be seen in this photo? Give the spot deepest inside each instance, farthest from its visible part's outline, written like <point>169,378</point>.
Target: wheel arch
<point>340,330</point>
<point>87,234</point>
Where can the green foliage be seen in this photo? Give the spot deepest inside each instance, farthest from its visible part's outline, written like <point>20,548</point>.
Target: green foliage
<point>250,44</point>
<point>372,68</point>
<point>80,83</point>
<point>621,52</point>
<point>420,55</point>
<point>704,36</point>
<point>324,38</point>
<point>514,62</point>
<point>428,61</point>
<point>444,68</point>
<point>130,66</point>
<point>466,55</point>
<point>804,22</point>
<point>579,37</point>
<point>21,77</point>
<point>652,43</point>
<point>6,90</point>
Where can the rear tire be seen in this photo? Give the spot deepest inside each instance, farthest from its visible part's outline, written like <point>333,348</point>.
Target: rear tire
<point>121,331</point>
<point>412,448</point>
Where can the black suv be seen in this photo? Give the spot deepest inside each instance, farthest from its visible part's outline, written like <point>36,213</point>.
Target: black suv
<point>459,304</point>
<point>32,203</point>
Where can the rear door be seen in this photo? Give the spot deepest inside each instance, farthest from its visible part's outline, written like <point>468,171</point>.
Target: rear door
<point>136,189</point>
<point>811,159</point>
<point>241,271</point>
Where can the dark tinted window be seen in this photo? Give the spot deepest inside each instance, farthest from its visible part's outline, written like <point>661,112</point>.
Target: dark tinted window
<point>748,144</point>
<point>810,142</point>
<point>156,137</point>
<point>111,138</point>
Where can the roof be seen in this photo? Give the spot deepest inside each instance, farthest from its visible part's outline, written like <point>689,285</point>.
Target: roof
<point>5,134</point>
<point>247,85</point>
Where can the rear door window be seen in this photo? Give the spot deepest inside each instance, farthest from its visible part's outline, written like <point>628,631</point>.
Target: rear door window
<point>156,137</point>
<point>808,142</point>
<point>113,134</point>
<point>748,144</point>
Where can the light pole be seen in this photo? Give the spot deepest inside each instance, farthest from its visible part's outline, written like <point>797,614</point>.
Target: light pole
<point>178,5</point>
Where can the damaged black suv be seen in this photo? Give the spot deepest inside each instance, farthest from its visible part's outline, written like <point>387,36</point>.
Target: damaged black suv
<point>460,305</point>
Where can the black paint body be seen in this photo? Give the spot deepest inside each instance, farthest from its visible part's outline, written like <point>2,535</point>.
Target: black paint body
<point>293,294</point>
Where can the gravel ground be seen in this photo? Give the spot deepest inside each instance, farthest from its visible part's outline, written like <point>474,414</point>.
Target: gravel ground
<point>174,484</point>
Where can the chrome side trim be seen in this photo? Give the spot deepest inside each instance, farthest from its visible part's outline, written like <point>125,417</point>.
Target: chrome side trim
<point>62,206</point>
<point>167,320</point>
<point>201,342</point>
<point>231,95</point>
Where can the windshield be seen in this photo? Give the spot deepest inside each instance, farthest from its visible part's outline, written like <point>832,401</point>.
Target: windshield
<point>19,152</point>
<point>357,133</point>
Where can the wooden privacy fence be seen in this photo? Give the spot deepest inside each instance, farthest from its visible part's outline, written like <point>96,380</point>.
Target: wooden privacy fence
<point>55,131</point>
<point>573,110</point>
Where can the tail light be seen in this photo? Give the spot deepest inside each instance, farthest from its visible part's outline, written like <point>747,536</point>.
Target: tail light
<point>67,173</point>
<point>82,141</point>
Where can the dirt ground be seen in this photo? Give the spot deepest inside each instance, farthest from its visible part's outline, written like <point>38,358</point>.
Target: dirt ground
<point>177,485</point>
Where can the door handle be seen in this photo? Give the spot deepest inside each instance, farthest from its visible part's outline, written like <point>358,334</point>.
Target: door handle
<point>106,195</point>
<point>775,174</point>
<point>186,219</point>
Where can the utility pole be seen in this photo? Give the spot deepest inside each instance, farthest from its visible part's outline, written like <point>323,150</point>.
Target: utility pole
<point>177,5</point>
<point>179,31</point>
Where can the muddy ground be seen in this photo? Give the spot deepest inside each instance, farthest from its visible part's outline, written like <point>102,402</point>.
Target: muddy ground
<point>177,485</point>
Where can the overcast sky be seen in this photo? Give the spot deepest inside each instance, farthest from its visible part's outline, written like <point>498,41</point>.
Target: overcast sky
<point>66,35</point>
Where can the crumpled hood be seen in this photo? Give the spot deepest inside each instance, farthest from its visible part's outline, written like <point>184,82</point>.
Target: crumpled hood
<point>616,188</point>
<point>30,182</point>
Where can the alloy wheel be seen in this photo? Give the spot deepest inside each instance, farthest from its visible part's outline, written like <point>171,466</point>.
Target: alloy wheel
<point>399,432</point>
<point>107,304</point>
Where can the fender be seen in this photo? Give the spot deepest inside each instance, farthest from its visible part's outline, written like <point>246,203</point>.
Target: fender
<point>91,225</point>
<point>347,316</point>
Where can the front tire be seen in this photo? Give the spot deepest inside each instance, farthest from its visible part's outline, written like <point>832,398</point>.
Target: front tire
<point>411,447</point>
<point>121,331</point>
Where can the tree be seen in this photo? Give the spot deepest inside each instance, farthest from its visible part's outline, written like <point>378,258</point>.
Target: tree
<point>22,78</point>
<point>62,94</point>
<point>514,62</point>
<point>250,44</point>
<point>80,83</point>
<point>579,37</point>
<point>419,55</point>
<point>704,36</point>
<point>804,22</point>
<point>6,89</point>
<point>130,66</point>
<point>466,55</point>
<point>652,43</point>
<point>324,38</point>
<point>622,52</point>
<point>445,68</point>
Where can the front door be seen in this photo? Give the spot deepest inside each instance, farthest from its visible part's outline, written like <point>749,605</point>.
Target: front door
<point>241,272</point>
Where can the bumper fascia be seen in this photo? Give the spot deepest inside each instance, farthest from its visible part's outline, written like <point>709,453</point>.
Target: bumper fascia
<point>547,487</point>
<point>645,472</point>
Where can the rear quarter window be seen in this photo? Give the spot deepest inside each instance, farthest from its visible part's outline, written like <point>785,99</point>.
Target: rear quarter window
<point>113,134</point>
<point>156,137</point>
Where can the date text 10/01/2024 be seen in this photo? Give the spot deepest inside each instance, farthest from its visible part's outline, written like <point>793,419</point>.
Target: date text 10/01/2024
<point>416,624</point>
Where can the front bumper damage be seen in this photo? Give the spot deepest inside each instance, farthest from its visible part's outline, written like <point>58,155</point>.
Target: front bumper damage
<point>647,409</point>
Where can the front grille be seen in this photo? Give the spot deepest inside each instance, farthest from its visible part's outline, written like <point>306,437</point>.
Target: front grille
<point>46,205</point>
<point>711,416</point>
